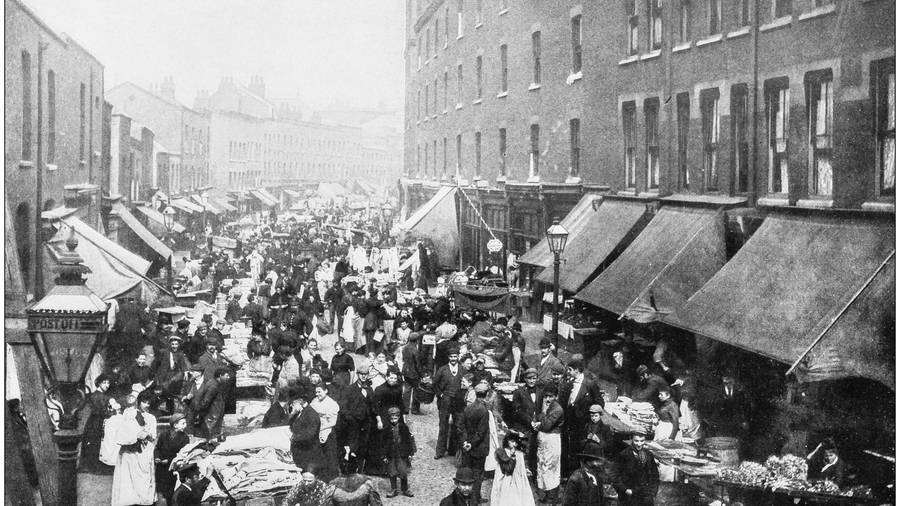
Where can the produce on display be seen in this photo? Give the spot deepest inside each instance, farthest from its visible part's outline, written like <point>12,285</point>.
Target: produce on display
<point>786,474</point>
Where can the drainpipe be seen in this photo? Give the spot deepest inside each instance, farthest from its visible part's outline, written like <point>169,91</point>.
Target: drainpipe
<point>37,254</point>
<point>671,105</point>
<point>754,35</point>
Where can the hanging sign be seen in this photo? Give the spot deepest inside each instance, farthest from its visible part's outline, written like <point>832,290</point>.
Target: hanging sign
<point>494,245</point>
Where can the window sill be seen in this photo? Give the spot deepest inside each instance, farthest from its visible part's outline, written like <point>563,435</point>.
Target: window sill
<point>459,37</point>
<point>26,164</point>
<point>881,207</point>
<point>479,25</point>
<point>425,120</point>
<point>773,201</point>
<point>628,192</point>
<point>817,12</point>
<point>777,23</point>
<point>434,116</point>
<point>52,167</point>
<point>82,164</point>
<point>533,179</point>
<point>573,180</point>
<point>502,12</point>
<point>631,59</point>
<point>651,55</point>
<point>502,94</point>
<point>574,77</point>
<point>459,106</point>
<point>816,203</point>
<point>534,86</point>
<point>709,40</point>
<point>501,178</point>
<point>681,47</point>
<point>740,32</point>
<point>444,111</point>
<point>476,101</point>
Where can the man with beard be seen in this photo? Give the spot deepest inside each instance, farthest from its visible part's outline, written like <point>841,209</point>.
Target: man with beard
<point>355,422</point>
<point>446,387</point>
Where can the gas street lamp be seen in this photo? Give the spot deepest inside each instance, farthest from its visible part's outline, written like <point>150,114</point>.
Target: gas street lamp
<point>169,222</point>
<point>557,236</point>
<point>66,327</point>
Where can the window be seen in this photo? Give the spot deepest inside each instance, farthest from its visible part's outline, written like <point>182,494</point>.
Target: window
<point>684,21</point>
<point>709,117</point>
<point>418,160</point>
<point>651,125</point>
<point>504,4</point>
<point>576,44</point>
<point>419,53</point>
<point>883,95</point>
<point>435,110</point>
<point>743,12</point>
<point>739,139</point>
<point>628,133</point>
<point>418,105</point>
<point>427,99</point>
<point>777,97</point>
<point>479,12</point>
<point>446,86</point>
<point>459,85</point>
<point>654,19</point>
<point>575,147</point>
<point>459,18</point>
<point>425,165</point>
<point>478,75</point>
<point>534,165</point>
<point>536,55</point>
<point>51,116</point>
<point>683,104</point>
<point>427,44</point>
<point>458,152</point>
<point>632,15</point>
<point>502,151</point>
<point>477,155</point>
<point>820,113</point>
<point>437,36</point>
<point>446,26</point>
<point>782,8</point>
<point>444,172</point>
<point>504,70</point>
<point>715,16</point>
<point>434,157</point>
<point>26,106</point>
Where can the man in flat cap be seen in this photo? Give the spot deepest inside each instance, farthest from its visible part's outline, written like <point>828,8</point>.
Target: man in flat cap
<point>447,381</point>
<point>170,370</point>
<point>548,362</point>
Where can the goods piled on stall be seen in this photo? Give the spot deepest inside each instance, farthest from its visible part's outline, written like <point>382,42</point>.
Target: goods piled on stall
<point>786,474</point>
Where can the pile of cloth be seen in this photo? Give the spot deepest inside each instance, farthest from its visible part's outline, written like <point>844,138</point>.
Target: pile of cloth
<point>244,474</point>
<point>643,415</point>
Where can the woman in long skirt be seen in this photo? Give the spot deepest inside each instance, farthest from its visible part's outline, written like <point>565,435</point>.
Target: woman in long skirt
<point>549,450</point>
<point>134,479</point>
<point>511,487</point>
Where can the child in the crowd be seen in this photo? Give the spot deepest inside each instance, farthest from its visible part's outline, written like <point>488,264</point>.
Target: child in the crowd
<point>399,447</point>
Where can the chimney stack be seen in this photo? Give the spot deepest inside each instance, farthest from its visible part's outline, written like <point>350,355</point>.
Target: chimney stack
<point>167,88</point>
<point>257,86</point>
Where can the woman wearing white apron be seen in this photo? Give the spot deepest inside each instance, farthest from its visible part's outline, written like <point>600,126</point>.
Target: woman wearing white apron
<point>510,487</point>
<point>549,449</point>
<point>134,479</point>
<point>346,331</point>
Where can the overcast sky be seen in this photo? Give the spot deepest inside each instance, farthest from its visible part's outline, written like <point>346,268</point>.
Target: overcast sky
<point>347,52</point>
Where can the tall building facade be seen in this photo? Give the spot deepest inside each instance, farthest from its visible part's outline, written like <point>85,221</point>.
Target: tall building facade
<point>177,128</point>
<point>528,105</point>
<point>53,124</point>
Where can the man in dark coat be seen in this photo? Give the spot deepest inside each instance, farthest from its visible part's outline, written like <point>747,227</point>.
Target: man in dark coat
<point>585,485</point>
<point>389,394</point>
<point>168,445</point>
<point>371,323</point>
<point>446,387</point>
<point>254,311</point>
<point>341,365</point>
<point>462,495</point>
<point>355,422</point>
<point>170,370</point>
<point>638,477</point>
<point>98,401</point>
<point>279,411</point>
<point>412,372</point>
<point>576,398</point>
<point>212,403</point>
<point>597,431</point>
<point>527,402</point>
<point>233,311</point>
<point>547,363</point>
<point>474,433</point>
<point>305,446</point>
<point>197,344</point>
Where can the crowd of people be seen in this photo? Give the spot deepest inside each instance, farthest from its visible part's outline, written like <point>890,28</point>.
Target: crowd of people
<point>349,415</point>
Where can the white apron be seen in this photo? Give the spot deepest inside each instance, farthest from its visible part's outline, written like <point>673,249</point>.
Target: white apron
<point>549,456</point>
<point>512,490</point>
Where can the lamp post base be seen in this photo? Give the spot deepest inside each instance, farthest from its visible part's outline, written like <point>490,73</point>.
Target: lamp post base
<point>67,443</point>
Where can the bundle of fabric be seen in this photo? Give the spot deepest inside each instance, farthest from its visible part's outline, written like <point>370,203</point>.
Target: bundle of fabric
<point>266,472</point>
<point>642,415</point>
<point>192,453</point>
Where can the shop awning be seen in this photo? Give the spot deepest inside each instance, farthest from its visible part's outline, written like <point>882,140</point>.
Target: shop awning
<point>186,205</point>
<point>141,231</point>
<point>156,222</point>
<point>436,220</point>
<point>266,201</point>
<point>787,284</point>
<point>293,194</point>
<point>209,207</point>
<point>673,257</point>
<point>222,204</point>
<point>331,190</point>
<point>539,255</point>
<point>272,198</point>
<point>608,229</point>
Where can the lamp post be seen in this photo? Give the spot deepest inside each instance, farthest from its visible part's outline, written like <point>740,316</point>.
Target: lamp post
<point>169,222</point>
<point>66,327</point>
<point>386,213</point>
<point>556,239</point>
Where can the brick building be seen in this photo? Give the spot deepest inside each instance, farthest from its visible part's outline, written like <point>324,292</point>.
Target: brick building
<point>527,106</point>
<point>53,123</point>
<point>176,127</point>
<point>131,171</point>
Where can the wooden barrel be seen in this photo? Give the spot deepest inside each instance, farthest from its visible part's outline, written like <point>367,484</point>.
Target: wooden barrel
<point>723,448</point>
